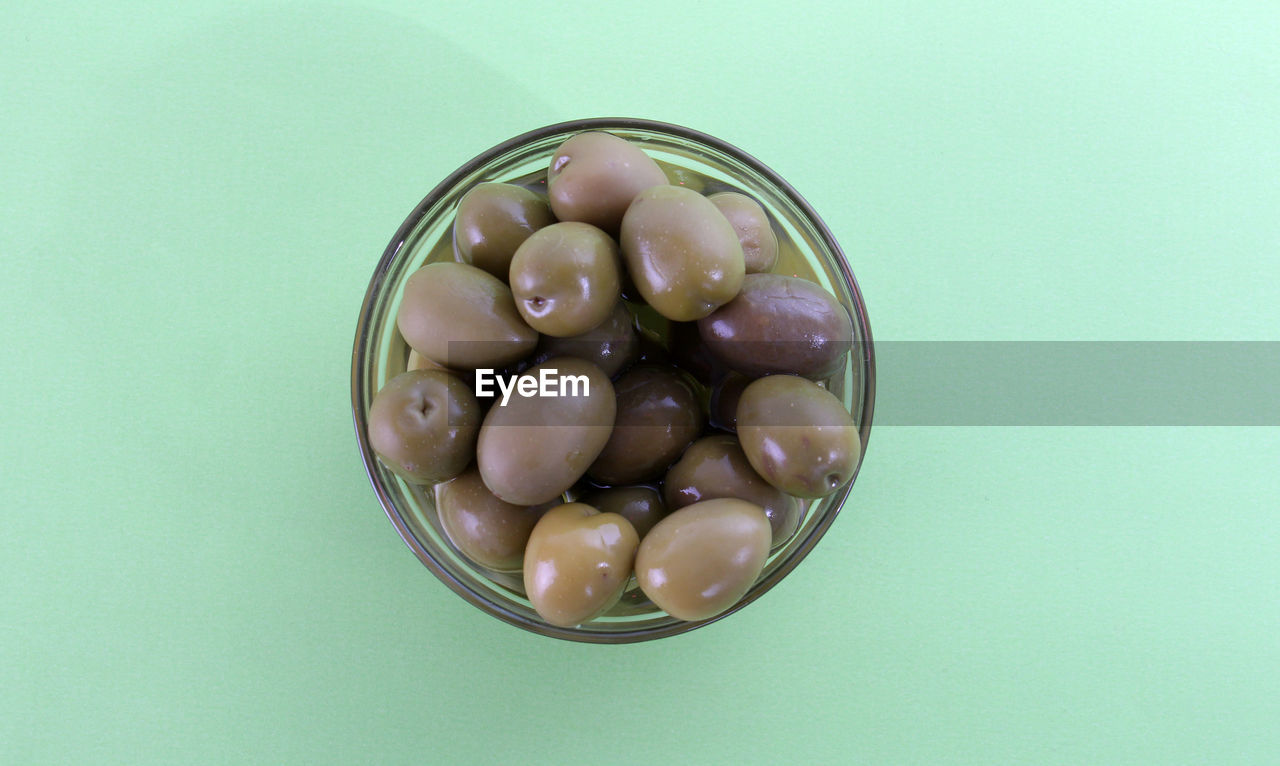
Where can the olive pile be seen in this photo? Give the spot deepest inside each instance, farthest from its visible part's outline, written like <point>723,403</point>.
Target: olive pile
<point>696,425</point>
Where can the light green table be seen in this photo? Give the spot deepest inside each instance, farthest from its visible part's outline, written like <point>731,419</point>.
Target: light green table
<point>193,566</point>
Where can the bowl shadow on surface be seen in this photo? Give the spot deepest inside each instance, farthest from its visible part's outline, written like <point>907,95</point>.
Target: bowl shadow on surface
<point>249,171</point>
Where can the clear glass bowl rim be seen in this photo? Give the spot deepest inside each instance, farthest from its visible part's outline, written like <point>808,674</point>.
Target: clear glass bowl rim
<point>364,326</point>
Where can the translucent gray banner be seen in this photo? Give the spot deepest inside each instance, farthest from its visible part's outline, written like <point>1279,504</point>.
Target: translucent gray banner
<point>1077,383</point>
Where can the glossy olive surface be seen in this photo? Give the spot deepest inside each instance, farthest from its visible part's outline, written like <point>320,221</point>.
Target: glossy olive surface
<point>423,425</point>
<point>640,505</point>
<point>724,400</point>
<point>462,317</point>
<point>594,177</point>
<point>485,529</point>
<point>493,219</point>
<point>533,448</point>
<point>612,345</point>
<point>658,415</point>
<point>681,252</point>
<point>566,279</point>
<point>780,324</point>
<point>798,436</point>
<point>759,243</point>
<point>577,563</point>
<point>699,560</point>
<point>715,466</point>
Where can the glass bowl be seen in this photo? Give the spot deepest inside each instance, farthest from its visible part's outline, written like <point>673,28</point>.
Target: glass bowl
<point>690,158</point>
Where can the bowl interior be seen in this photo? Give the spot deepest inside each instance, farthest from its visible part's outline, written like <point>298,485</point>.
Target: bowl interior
<point>691,158</point>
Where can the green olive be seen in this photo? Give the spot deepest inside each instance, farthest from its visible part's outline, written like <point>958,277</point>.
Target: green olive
<point>612,345</point>
<point>759,243</point>
<point>641,505</point>
<point>682,253</point>
<point>462,317</point>
<point>533,448</point>
<point>565,279</point>
<point>780,324</point>
<point>702,559</point>
<point>491,222</point>
<point>577,563</point>
<point>658,415</point>
<point>715,466</point>
<point>594,176</point>
<point>489,531</point>
<point>423,425</point>
<point>798,436</point>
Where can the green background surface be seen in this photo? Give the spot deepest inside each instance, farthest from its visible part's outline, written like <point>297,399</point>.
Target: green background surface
<point>193,568</point>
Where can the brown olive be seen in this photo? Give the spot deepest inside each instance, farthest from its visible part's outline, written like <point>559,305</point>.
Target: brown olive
<point>641,505</point>
<point>489,531</point>
<point>780,324</point>
<point>724,400</point>
<point>612,345</point>
<point>423,425</point>
<point>715,466</point>
<point>462,317</point>
<point>533,448</point>
<point>798,436</point>
<point>491,222</point>
<point>565,279</point>
<point>690,353</point>
<point>702,559</point>
<point>759,243</point>
<point>577,563</point>
<point>594,176</point>
<point>682,253</point>
<point>658,415</point>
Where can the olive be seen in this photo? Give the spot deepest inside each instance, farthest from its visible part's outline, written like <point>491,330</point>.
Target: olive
<point>594,176</point>
<point>642,506</point>
<point>491,222</point>
<point>759,243</point>
<point>682,253</point>
<point>658,415</point>
<point>780,324</point>
<point>798,436</point>
<point>690,353</point>
<point>724,400</point>
<point>612,345</point>
<point>423,425</point>
<point>714,467</point>
<point>462,317</point>
<point>701,559</point>
<point>577,563</point>
<point>533,448</point>
<point>565,279</point>
<point>489,531</point>
<point>419,362</point>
